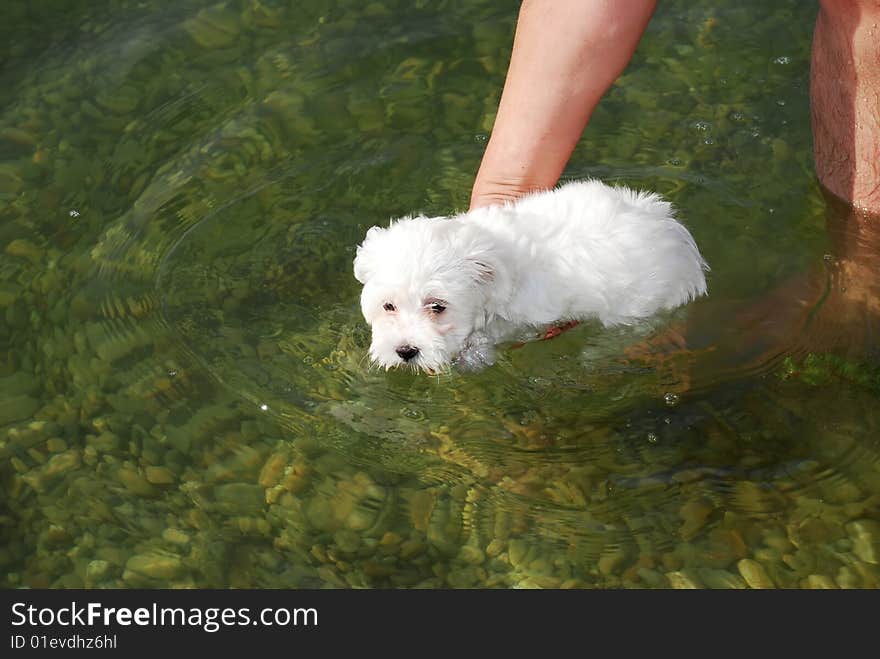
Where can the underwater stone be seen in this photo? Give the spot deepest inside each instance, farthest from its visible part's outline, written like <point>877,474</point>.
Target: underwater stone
<point>329,576</point>
<point>159,475</point>
<point>376,9</point>
<point>134,482</point>
<point>96,570</point>
<point>296,479</point>
<point>320,514</point>
<point>820,581</point>
<point>90,110</point>
<point>10,181</point>
<point>517,551</point>
<point>539,567</point>
<point>347,541</point>
<point>721,548</point>
<point>240,498</point>
<point>273,469</point>
<point>610,561</point>
<point>411,548</point>
<point>444,529</point>
<point>847,578</point>
<point>694,514</point>
<point>466,577</point>
<point>843,493</point>
<point>389,540</point>
<point>175,536</point>
<point>471,555</point>
<point>19,383</point>
<point>802,561</point>
<point>259,15</point>
<point>777,540</point>
<point>359,519</point>
<point>18,136</point>
<point>9,292</point>
<point>683,580</point>
<point>56,445</point>
<point>367,110</point>
<point>25,249</point>
<point>421,505</point>
<point>58,464</point>
<point>865,534</point>
<point>17,408</point>
<point>214,27</point>
<point>120,100</point>
<point>527,583</point>
<point>754,574</point>
<point>495,547</point>
<point>720,579</point>
<point>153,565</point>
<point>652,578</point>
<point>106,442</point>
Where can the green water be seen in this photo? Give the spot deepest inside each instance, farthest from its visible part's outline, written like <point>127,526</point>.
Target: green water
<point>185,399</point>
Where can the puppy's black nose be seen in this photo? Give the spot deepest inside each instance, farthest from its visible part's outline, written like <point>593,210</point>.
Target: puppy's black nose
<point>407,352</point>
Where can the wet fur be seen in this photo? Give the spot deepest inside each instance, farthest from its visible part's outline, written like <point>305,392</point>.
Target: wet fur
<point>584,250</point>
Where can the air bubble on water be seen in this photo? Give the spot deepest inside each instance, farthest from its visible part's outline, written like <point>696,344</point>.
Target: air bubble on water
<point>827,257</point>
<point>701,125</point>
<point>671,399</point>
<point>675,162</point>
<point>73,212</point>
<point>481,138</point>
<point>264,407</point>
<point>667,420</point>
<point>172,372</point>
<point>652,438</point>
<point>780,102</point>
<point>736,116</point>
<point>709,140</point>
<point>782,59</point>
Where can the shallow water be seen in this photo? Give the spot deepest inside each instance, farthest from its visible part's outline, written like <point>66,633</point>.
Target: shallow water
<point>185,399</point>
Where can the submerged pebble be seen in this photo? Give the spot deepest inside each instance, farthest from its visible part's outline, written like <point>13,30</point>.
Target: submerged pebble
<point>865,534</point>
<point>754,574</point>
<point>152,565</point>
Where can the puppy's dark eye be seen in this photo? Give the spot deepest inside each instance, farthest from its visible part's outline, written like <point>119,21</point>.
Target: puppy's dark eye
<point>436,307</point>
<point>388,307</point>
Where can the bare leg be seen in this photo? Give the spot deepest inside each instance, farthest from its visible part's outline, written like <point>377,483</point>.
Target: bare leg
<point>566,54</point>
<point>845,100</point>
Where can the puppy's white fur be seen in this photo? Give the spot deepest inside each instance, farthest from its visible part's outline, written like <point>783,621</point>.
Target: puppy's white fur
<point>452,287</point>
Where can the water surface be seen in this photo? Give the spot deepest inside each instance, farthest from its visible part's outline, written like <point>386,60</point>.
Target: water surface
<point>185,399</point>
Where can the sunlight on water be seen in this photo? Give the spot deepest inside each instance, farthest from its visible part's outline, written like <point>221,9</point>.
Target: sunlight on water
<point>187,399</point>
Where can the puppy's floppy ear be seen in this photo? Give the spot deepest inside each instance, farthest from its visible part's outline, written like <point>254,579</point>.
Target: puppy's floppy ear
<point>484,269</point>
<point>366,259</point>
<point>484,258</point>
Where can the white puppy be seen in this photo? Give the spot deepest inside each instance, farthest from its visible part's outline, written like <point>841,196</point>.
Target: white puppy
<point>444,289</point>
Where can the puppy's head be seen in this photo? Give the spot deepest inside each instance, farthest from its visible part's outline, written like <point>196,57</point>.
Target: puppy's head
<point>428,285</point>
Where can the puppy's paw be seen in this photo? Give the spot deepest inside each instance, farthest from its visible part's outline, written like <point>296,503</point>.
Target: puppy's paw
<point>477,354</point>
